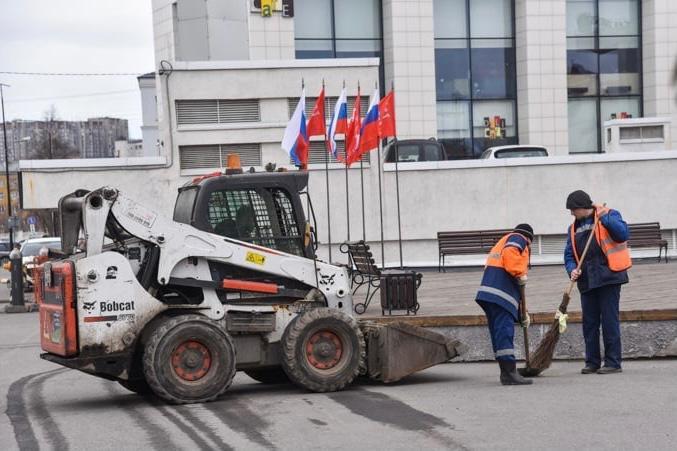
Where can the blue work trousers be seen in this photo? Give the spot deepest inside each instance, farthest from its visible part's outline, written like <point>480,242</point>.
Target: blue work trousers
<point>601,306</point>
<point>502,330</point>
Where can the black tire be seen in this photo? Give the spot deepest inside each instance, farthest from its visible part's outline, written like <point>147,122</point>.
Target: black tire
<point>272,375</point>
<point>337,356</point>
<point>189,359</point>
<point>138,386</point>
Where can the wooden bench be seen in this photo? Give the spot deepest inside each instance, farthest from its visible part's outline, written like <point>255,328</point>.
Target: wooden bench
<point>466,242</point>
<point>363,271</point>
<point>648,234</point>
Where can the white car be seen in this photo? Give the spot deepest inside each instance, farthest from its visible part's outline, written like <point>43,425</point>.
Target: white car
<point>515,151</point>
<point>31,249</point>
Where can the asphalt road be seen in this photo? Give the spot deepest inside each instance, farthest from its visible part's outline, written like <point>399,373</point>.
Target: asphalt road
<point>452,406</point>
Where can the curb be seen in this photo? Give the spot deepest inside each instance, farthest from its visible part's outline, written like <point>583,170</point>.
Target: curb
<point>29,307</point>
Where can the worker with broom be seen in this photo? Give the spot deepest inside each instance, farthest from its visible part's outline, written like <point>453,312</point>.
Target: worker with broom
<point>499,296</point>
<point>599,278</point>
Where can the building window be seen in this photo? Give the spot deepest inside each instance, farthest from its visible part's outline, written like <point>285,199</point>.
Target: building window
<point>337,28</point>
<point>475,75</point>
<point>604,66</point>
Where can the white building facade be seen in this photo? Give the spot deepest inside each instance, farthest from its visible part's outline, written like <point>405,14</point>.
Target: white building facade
<point>471,73</point>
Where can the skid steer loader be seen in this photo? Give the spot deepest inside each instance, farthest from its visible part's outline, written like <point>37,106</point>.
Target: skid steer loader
<point>176,306</point>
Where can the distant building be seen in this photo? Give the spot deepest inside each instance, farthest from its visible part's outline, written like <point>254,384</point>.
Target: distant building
<point>93,138</point>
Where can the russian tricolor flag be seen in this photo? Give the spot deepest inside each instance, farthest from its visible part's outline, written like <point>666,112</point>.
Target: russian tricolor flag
<point>338,122</point>
<point>369,133</point>
<point>295,140</point>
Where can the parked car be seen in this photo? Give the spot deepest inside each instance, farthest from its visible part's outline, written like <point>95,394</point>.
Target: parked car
<point>411,150</point>
<point>31,249</point>
<point>515,151</point>
<point>5,249</point>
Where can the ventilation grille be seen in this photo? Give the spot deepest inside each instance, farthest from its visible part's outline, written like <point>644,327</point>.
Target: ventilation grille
<point>553,244</point>
<point>190,112</point>
<point>329,104</point>
<point>207,157</point>
<point>317,152</point>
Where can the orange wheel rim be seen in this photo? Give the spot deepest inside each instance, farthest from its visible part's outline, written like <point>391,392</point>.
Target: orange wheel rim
<point>324,350</point>
<point>191,360</point>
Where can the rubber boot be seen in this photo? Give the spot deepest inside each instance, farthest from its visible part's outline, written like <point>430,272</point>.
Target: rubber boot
<point>509,374</point>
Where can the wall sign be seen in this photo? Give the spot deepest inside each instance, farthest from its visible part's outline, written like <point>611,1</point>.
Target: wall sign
<point>267,7</point>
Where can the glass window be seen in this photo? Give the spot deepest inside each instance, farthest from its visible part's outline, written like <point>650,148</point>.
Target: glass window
<point>357,19</point>
<point>582,67</point>
<point>583,125</point>
<point>618,17</point>
<point>580,17</point>
<point>312,19</point>
<point>452,71</point>
<point>493,68</point>
<point>619,108</point>
<point>473,64</point>
<point>491,18</point>
<point>338,29</point>
<point>450,19</point>
<point>604,64</point>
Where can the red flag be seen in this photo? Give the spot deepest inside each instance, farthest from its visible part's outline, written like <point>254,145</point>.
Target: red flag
<point>386,116</point>
<point>353,133</point>
<point>317,123</point>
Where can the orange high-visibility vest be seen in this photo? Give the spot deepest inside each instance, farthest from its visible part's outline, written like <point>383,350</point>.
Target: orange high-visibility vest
<point>617,254</point>
<point>494,258</point>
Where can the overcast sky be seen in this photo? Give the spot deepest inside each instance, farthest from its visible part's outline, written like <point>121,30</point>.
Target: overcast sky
<point>75,36</point>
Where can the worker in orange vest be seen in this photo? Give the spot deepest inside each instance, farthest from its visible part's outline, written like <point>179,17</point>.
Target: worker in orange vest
<point>599,280</point>
<point>499,296</point>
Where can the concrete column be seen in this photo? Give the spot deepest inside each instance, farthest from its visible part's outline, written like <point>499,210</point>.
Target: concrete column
<point>540,35</point>
<point>409,62</point>
<point>659,51</point>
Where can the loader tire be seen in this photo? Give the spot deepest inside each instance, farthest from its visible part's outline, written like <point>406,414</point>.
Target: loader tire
<point>272,375</point>
<point>323,350</point>
<point>138,386</point>
<point>189,359</point>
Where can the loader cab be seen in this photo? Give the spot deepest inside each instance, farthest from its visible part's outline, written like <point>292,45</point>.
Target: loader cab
<point>260,208</point>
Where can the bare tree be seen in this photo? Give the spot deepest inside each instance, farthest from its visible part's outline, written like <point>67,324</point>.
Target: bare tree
<point>50,144</point>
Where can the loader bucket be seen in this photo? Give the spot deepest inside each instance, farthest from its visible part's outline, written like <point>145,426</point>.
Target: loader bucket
<point>399,349</point>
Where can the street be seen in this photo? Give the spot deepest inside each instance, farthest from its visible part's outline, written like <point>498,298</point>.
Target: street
<point>451,406</point>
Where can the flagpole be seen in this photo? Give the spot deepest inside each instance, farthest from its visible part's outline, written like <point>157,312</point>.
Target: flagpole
<point>326,171</point>
<point>364,226</point>
<point>397,191</point>
<point>380,192</point>
<point>380,203</point>
<point>345,161</point>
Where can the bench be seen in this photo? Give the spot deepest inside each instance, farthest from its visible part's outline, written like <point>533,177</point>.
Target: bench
<point>363,271</point>
<point>466,242</point>
<point>648,234</point>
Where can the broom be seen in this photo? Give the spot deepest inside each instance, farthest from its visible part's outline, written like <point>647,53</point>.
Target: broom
<point>541,359</point>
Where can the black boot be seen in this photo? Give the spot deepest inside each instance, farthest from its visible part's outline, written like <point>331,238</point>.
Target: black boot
<point>509,374</point>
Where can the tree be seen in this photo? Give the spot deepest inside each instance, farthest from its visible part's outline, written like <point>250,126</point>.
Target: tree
<point>51,143</point>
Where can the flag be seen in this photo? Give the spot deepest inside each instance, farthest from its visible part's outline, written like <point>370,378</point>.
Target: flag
<point>369,132</point>
<point>295,140</point>
<point>353,133</point>
<point>386,117</point>
<point>338,123</point>
<point>317,124</point>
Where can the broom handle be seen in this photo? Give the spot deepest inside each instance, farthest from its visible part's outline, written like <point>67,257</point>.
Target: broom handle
<point>523,306</point>
<point>565,301</point>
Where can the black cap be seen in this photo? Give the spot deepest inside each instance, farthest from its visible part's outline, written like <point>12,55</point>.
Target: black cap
<point>579,199</point>
<point>526,230</point>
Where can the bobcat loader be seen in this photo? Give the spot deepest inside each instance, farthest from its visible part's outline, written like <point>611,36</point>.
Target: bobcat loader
<point>175,307</point>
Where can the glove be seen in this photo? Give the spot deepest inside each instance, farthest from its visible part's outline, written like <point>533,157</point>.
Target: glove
<point>526,321</point>
<point>522,280</point>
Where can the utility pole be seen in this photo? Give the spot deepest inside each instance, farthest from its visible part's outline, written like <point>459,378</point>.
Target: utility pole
<point>9,192</point>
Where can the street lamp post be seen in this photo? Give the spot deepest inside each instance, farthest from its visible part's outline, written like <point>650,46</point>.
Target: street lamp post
<point>9,191</point>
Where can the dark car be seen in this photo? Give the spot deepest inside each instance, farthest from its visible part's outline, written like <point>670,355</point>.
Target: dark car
<point>5,249</point>
<point>413,150</point>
